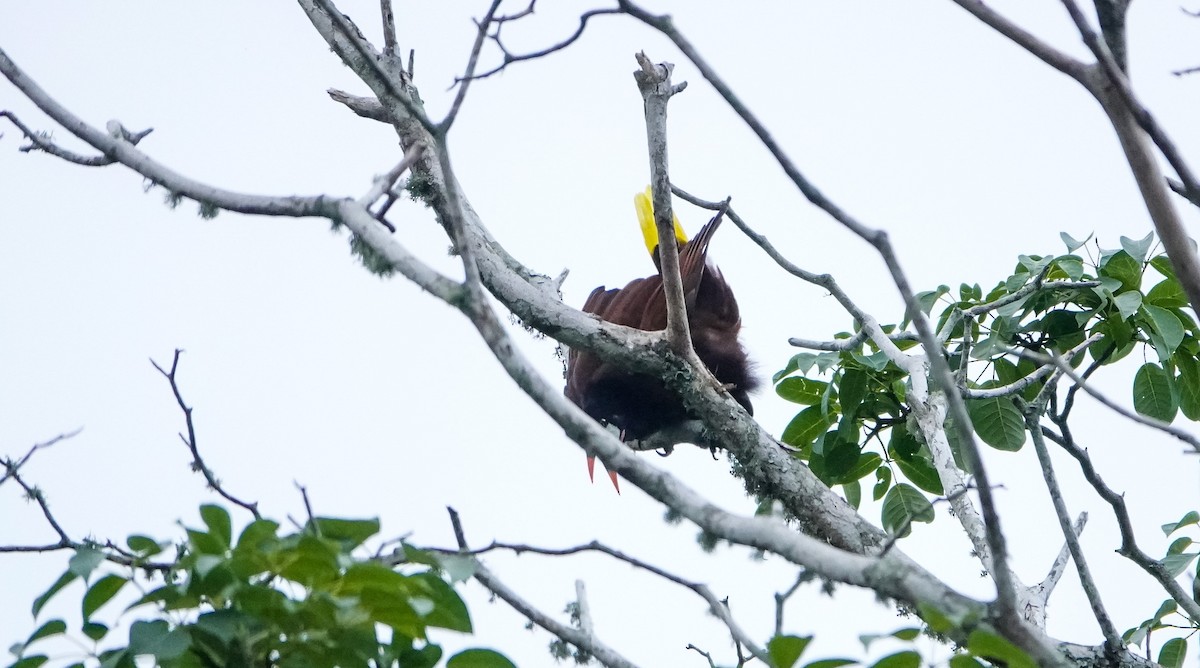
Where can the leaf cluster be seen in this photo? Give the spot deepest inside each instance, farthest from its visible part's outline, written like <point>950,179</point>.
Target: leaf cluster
<point>261,598</point>
<point>857,420</point>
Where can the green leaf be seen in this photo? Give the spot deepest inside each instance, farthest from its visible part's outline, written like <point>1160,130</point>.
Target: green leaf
<point>919,470</point>
<point>1123,267</point>
<point>51,628</point>
<point>350,533</point>
<point>902,443</point>
<point>883,480</point>
<point>905,659</point>
<point>1138,249</point>
<point>95,631</point>
<point>100,593</point>
<point>1189,385</point>
<point>831,663</point>
<point>461,567</point>
<point>1192,517</point>
<point>85,560</point>
<point>904,505</point>
<point>840,457</point>
<point>801,390</point>
<point>1152,393</point>
<point>158,639</point>
<point>1175,564</point>
<point>853,493</point>
<point>1179,545</point>
<point>801,362</point>
<point>937,621</point>
<point>256,533</point>
<point>144,546</point>
<point>807,426</point>
<point>30,662</point>
<point>867,462</point>
<point>1162,263</point>
<point>1167,326</point>
<point>449,610</point>
<point>1128,303</point>
<point>314,562</point>
<point>202,542</point>
<point>908,634</point>
<point>1071,243</point>
<point>994,648</point>
<point>852,390</point>
<point>1173,652</point>
<point>62,581</point>
<point>998,422</point>
<point>1071,266</point>
<point>785,651</point>
<point>1167,607</point>
<point>216,519</point>
<point>1167,294</point>
<point>479,658</point>
<point>964,661</point>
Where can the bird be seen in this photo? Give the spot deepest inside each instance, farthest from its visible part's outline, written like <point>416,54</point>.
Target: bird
<point>640,404</point>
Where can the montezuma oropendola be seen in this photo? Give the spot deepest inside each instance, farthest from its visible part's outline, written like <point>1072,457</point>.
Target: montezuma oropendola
<point>639,404</point>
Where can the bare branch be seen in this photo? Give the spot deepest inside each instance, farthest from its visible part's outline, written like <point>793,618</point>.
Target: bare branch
<point>1045,588</point>
<point>585,641</point>
<point>510,58</point>
<point>11,467</point>
<point>472,61</point>
<point>122,150</point>
<point>1037,375</point>
<point>1129,547</point>
<point>384,74</point>
<point>719,609</point>
<point>385,182</point>
<point>1043,51</point>
<point>190,440</point>
<point>388,17</point>
<point>781,598</point>
<point>654,83</point>
<point>1111,636</point>
<point>40,141</point>
<point>1113,67</point>
<point>367,107</point>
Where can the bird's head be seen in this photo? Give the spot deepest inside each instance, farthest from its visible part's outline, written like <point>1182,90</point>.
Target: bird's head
<point>645,212</point>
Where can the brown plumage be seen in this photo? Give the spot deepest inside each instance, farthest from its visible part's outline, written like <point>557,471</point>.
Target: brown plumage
<point>638,404</point>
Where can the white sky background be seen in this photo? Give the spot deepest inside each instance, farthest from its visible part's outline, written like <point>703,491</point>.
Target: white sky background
<point>303,367</point>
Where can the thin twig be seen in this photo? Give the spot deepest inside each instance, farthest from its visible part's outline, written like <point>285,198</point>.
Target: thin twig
<point>1111,637</point>
<point>719,610</point>
<point>510,58</point>
<point>11,467</point>
<point>384,183</point>
<point>472,61</point>
<point>1059,566</point>
<point>1140,113</point>
<point>603,653</point>
<point>1129,547</point>
<point>308,509</point>
<point>40,141</point>
<point>190,440</point>
<point>1120,410</point>
<point>781,598</point>
<point>1024,382</point>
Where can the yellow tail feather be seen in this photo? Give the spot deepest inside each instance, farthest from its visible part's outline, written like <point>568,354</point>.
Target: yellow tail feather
<point>645,212</point>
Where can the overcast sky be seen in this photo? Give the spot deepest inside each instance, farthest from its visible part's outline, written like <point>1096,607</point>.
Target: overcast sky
<point>382,401</point>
